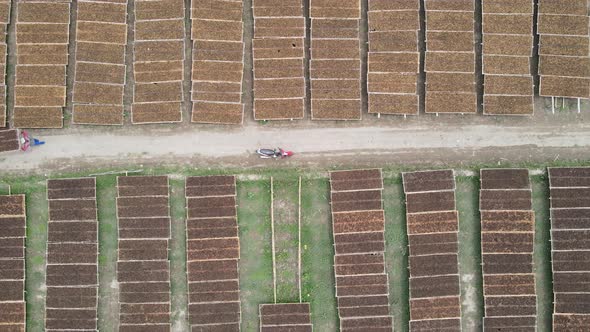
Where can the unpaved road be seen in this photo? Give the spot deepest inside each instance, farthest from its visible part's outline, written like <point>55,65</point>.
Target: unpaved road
<point>313,147</point>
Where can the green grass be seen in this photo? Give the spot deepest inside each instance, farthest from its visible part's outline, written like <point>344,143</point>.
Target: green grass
<point>286,195</point>
<point>472,307</point>
<point>396,252</point>
<point>37,215</point>
<point>177,255</point>
<point>318,254</point>
<point>542,254</point>
<point>255,250</point>
<point>108,309</point>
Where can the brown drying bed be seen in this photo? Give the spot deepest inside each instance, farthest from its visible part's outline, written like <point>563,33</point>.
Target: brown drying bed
<point>428,181</point>
<point>12,226</point>
<point>144,211</point>
<point>576,25</point>
<point>517,199</point>
<point>562,322</point>
<point>367,324</point>
<point>505,179</point>
<point>509,284</point>
<point>570,219</point>
<point>144,228</point>
<point>367,174</point>
<point>152,249</point>
<point>360,205</point>
<point>570,240</point>
<point>569,176</point>
<point>451,102</point>
<point>71,275</point>
<point>432,244</point>
<point>564,45</point>
<point>572,303</point>
<point>387,83</point>
<point>509,85</point>
<point>393,103</point>
<point>72,231</point>
<point>550,65</point>
<point>460,5</point>
<point>291,316</point>
<point>71,253</point>
<point>9,140</point>
<point>393,41</point>
<point>138,293</point>
<point>362,301</point>
<point>211,202</point>
<point>12,290</point>
<point>511,305</point>
<point>277,109</point>
<point>98,114</point>
<point>334,28</point>
<point>96,93</point>
<point>81,188</point>
<point>214,313</point>
<point>404,62</point>
<point>450,41</point>
<point>203,224</point>
<point>394,20</point>
<point>447,324</point>
<point>144,313</point>
<point>336,109</point>
<point>450,82</point>
<point>421,266</point>
<point>458,62</point>
<point>74,210</point>
<point>572,87</point>
<point>510,323</point>
<point>509,243</point>
<point>570,282</point>
<point>435,308</point>
<point>508,7</point>
<point>80,319</point>
<point>571,261</point>
<point>450,21</point>
<point>12,269</point>
<point>214,287</point>
<point>207,297</point>
<point>507,221</point>
<point>506,65</point>
<point>570,197</point>
<point>508,24</point>
<point>12,205</point>
<point>71,297</point>
<point>102,12</point>
<point>212,212</point>
<point>12,248</point>
<point>362,312</point>
<point>502,44</point>
<point>505,264</point>
<point>143,271</point>
<point>228,113</point>
<point>362,290</point>
<point>430,201</point>
<point>435,222</point>
<point>359,269</point>
<point>508,105</point>
<point>224,270</point>
<point>434,286</point>
<point>394,5</point>
<point>356,222</point>
<point>345,9</point>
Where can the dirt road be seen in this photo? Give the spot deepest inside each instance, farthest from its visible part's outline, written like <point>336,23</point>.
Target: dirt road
<point>313,146</point>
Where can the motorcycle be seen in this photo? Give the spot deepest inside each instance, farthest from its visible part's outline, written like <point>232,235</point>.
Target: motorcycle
<point>276,153</point>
